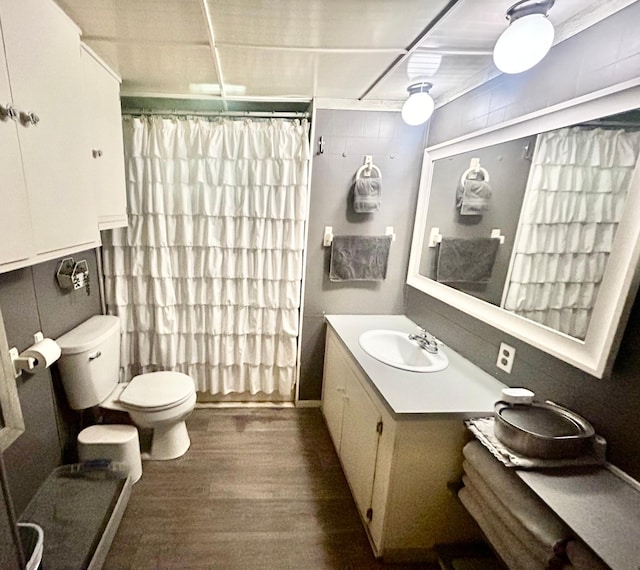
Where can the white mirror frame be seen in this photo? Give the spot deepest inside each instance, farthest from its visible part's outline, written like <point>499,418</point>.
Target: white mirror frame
<point>12,425</point>
<point>596,353</point>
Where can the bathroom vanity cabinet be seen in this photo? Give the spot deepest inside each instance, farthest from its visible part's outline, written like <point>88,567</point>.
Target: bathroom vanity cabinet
<point>397,468</point>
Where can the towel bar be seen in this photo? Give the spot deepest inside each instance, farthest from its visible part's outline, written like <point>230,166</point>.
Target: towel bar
<point>435,237</point>
<point>327,238</point>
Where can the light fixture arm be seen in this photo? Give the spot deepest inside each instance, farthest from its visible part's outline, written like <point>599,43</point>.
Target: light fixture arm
<point>420,87</point>
<point>527,7</point>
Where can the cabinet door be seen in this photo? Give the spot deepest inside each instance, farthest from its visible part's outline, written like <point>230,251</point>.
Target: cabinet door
<point>336,371</point>
<point>359,445</point>
<point>43,58</point>
<point>104,151</point>
<point>16,237</point>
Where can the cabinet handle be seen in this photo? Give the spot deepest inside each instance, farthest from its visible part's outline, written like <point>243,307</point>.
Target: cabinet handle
<point>29,118</point>
<point>8,112</point>
<point>96,152</point>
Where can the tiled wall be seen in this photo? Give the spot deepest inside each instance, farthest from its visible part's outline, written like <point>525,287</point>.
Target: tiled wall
<point>601,56</point>
<point>397,150</point>
<point>31,301</point>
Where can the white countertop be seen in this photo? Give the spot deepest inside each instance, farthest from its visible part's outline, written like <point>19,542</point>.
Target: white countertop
<point>461,388</point>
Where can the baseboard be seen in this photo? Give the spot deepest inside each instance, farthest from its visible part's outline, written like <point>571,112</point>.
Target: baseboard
<point>308,403</point>
<point>214,405</point>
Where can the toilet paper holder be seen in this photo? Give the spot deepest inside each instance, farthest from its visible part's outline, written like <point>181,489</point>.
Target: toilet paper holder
<point>21,363</point>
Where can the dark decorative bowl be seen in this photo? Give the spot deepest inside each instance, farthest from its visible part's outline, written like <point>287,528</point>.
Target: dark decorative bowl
<point>542,430</point>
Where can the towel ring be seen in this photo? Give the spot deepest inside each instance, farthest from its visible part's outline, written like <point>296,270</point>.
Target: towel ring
<point>468,171</point>
<point>370,167</point>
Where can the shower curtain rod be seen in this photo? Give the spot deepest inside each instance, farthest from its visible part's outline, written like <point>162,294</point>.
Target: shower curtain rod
<point>614,124</point>
<point>239,114</point>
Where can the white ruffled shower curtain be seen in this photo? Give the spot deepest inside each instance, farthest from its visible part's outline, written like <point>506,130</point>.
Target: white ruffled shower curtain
<point>206,277</point>
<point>575,198</point>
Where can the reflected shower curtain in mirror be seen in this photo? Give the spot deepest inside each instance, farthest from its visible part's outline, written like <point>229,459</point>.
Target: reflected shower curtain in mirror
<point>206,277</point>
<point>575,197</point>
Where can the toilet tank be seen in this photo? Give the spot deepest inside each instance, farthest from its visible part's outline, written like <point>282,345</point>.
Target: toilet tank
<point>90,362</point>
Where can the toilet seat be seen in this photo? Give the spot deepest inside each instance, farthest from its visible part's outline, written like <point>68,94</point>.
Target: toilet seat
<point>156,391</point>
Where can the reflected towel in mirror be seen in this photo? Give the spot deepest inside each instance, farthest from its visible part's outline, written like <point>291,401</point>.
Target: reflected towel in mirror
<point>472,197</point>
<point>466,260</point>
<point>359,258</point>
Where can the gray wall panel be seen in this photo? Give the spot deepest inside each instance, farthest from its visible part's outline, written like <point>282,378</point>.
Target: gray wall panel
<point>31,301</point>
<point>397,149</point>
<point>61,310</point>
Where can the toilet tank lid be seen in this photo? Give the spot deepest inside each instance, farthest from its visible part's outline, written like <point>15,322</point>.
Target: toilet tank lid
<point>88,334</point>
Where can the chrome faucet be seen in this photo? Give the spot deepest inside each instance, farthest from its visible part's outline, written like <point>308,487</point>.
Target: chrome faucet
<point>425,341</point>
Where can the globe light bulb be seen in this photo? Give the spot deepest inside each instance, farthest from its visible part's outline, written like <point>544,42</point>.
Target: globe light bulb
<point>417,108</point>
<point>523,44</point>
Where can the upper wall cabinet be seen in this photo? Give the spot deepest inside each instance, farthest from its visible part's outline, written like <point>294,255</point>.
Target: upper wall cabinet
<point>105,151</point>
<point>42,61</point>
<point>15,221</point>
<point>532,226</point>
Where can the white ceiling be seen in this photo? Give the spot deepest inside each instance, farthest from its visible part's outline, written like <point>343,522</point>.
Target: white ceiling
<point>299,49</point>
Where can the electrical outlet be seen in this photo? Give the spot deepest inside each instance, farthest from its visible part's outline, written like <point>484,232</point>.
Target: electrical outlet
<point>506,356</point>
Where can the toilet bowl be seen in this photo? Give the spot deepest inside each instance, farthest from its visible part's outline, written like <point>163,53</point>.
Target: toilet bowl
<point>89,368</point>
<point>160,401</point>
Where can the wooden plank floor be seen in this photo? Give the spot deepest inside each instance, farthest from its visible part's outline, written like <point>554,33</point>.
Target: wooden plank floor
<point>259,488</point>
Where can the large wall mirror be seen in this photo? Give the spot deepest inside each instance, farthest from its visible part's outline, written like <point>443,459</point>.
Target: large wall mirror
<point>534,226</point>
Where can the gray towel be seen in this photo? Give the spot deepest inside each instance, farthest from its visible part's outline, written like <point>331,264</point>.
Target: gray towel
<point>540,546</point>
<point>525,506</point>
<point>472,197</point>
<point>510,550</point>
<point>359,258</point>
<point>367,195</point>
<point>466,260</point>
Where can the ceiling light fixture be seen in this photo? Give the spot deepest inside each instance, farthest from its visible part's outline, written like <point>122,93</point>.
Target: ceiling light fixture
<point>419,106</point>
<point>527,39</point>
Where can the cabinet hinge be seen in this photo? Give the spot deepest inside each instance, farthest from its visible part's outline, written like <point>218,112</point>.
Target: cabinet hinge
<point>379,427</point>
<point>369,514</point>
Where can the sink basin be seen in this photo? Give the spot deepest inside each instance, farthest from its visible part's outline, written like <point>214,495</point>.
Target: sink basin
<point>395,349</point>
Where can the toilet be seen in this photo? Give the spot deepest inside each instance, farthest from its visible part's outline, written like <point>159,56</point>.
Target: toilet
<point>89,368</point>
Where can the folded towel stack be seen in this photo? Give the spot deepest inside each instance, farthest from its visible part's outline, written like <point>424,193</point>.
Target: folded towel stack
<point>367,195</point>
<point>524,532</point>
